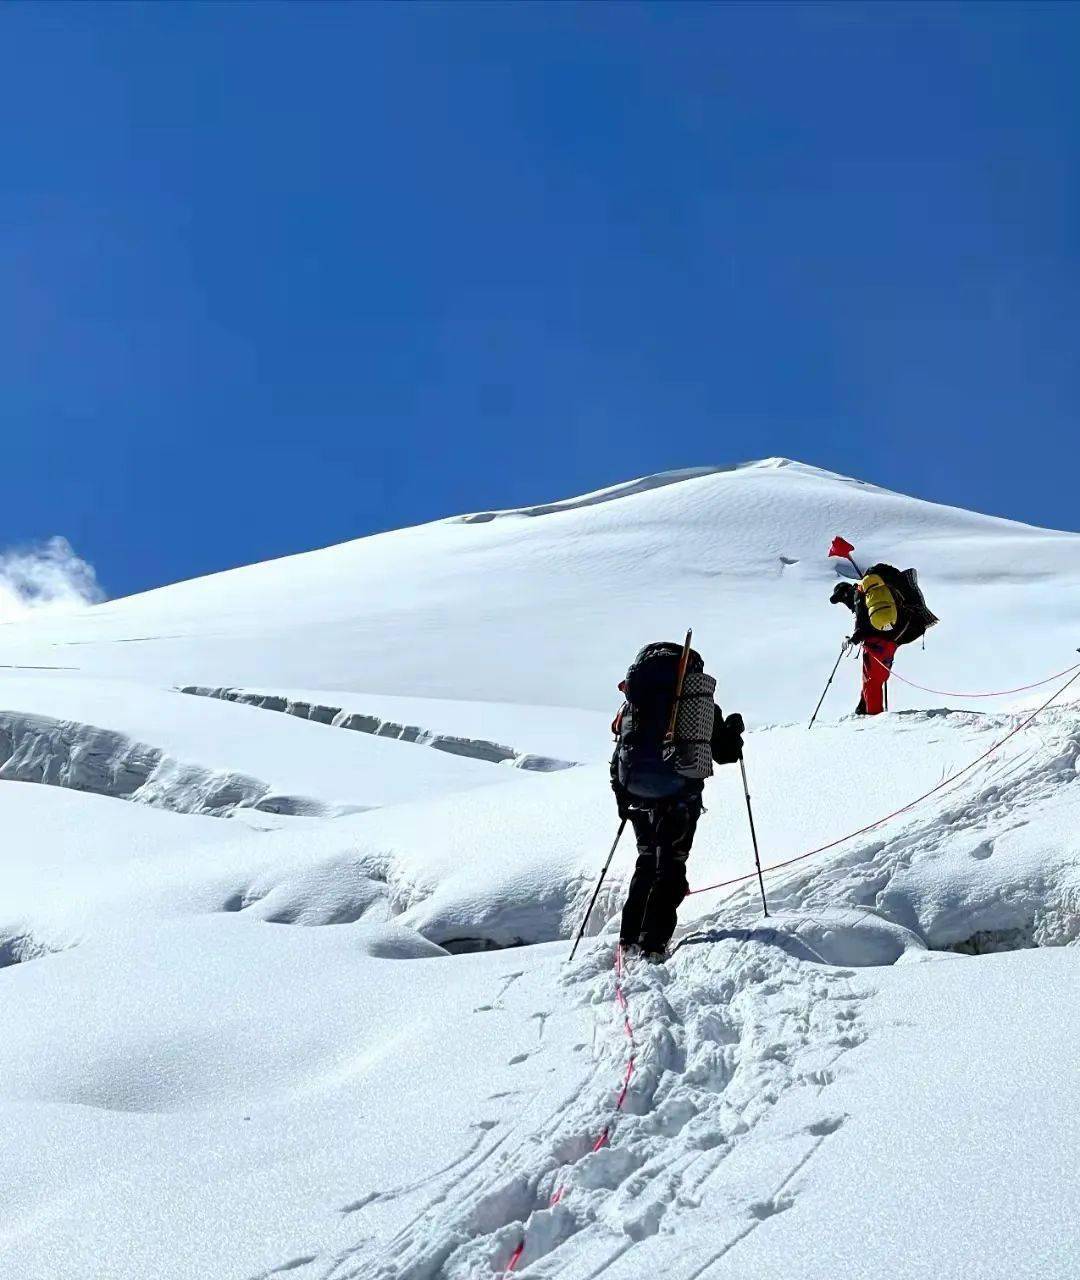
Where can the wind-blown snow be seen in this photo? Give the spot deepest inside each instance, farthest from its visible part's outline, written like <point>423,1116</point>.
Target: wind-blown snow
<point>48,577</point>
<point>234,1041</point>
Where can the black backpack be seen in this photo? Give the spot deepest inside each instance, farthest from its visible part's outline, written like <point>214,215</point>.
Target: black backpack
<point>917,618</point>
<point>646,766</point>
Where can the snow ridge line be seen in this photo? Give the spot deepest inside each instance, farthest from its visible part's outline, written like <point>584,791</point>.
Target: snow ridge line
<point>628,1075</point>
<point>340,718</point>
<point>946,693</point>
<point>873,826</point>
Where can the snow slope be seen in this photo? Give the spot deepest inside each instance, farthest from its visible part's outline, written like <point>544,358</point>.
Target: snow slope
<point>238,1035</point>
<point>235,1094</point>
<point>544,609</point>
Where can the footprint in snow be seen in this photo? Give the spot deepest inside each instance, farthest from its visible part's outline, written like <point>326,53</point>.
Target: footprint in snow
<point>354,1206</point>
<point>768,1208</point>
<point>851,1039</point>
<point>822,1128</point>
<point>292,1265</point>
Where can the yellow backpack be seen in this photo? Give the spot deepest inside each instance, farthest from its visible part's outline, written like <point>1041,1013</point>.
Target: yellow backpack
<point>880,602</point>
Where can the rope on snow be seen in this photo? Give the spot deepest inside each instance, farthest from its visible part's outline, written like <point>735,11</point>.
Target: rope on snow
<point>872,826</point>
<point>628,1075</point>
<point>947,693</point>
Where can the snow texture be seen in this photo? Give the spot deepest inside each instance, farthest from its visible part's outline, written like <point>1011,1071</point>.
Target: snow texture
<point>279,999</point>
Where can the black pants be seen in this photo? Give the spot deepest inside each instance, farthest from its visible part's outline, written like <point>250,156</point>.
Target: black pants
<point>664,835</point>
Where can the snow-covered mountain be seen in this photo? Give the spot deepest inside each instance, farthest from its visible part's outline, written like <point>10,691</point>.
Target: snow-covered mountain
<point>404,738</point>
<point>541,606</point>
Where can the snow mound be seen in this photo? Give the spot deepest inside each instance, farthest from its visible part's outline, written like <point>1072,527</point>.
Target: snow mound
<point>840,936</point>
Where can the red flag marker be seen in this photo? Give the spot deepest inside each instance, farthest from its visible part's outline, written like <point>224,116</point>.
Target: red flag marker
<point>842,549</point>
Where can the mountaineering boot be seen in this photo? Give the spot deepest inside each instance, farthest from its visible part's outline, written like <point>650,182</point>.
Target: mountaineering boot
<point>654,957</point>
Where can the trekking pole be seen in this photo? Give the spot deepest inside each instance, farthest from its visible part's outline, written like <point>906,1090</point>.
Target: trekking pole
<point>596,891</point>
<point>753,836</point>
<point>843,650</point>
<point>669,737</point>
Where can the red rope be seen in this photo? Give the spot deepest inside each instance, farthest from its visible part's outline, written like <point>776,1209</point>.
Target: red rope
<point>948,693</point>
<point>628,1075</point>
<point>777,866</point>
<point>620,995</point>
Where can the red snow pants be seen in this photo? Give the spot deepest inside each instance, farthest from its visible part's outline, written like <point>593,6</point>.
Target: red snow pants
<point>877,660</point>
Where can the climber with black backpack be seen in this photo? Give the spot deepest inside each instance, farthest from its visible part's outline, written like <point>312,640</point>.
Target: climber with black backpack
<point>669,732</point>
<point>890,611</point>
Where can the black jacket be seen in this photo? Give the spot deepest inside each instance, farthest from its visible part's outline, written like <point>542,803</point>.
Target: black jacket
<point>727,746</point>
<point>844,593</point>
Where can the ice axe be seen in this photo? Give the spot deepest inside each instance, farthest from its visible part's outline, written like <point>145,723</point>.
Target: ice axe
<point>680,679</point>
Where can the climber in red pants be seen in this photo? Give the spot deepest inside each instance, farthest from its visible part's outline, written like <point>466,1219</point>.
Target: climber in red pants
<point>890,610</point>
<point>877,660</point>
<point>878,647</point>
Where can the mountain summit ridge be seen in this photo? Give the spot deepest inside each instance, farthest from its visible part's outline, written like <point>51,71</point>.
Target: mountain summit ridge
<point>557,604</point>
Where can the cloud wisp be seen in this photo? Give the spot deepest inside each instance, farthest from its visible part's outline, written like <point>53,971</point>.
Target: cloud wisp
<point>47,577</point>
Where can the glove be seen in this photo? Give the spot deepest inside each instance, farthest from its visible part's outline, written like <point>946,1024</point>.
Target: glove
<point>727,739</point>
<point>622,799</point>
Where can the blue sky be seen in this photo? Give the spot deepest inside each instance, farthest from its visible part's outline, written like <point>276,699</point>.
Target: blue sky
<point>275,276</point>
